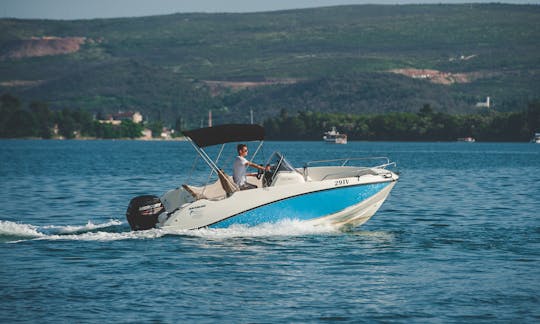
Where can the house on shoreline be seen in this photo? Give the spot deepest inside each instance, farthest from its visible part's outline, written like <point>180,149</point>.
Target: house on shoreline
<point>116,119</point>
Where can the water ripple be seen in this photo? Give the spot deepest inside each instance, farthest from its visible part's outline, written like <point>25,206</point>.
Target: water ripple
<point>457,241</point>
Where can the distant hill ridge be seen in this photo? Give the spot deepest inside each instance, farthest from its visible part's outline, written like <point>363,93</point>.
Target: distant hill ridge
<point>354,59</point>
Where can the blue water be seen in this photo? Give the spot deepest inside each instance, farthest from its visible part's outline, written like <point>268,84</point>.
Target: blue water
<point>458,240</point>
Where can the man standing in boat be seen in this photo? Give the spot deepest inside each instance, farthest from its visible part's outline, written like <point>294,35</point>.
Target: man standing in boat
<point>240,167</point>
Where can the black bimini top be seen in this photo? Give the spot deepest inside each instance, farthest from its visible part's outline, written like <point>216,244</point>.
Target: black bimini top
<point>221,134</point>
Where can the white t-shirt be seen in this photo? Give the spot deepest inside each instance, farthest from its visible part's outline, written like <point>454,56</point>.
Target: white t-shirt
<point>239,170</point>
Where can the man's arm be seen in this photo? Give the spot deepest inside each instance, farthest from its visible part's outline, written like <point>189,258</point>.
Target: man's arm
<point>254,165</point>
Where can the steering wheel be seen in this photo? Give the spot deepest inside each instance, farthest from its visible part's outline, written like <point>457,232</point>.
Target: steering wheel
<point>259,174</point>
<point>268,175</point>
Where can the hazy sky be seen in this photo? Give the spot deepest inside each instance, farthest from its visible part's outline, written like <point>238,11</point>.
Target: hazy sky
<point>85,9</point>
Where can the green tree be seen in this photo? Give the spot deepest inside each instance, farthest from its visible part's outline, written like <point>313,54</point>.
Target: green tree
<point>43,118</point>
<point>156,127</point>
<point>9,107</point>
<point>179,124</point>
<point>533,117</point>
<point>84,122</point>
<point>67,126</point>
<point>22,124</point>
<point>130,129</point>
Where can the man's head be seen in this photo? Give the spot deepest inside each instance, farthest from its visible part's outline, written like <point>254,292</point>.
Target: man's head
<point>242,149</point>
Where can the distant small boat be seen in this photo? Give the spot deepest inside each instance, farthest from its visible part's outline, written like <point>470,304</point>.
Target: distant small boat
<point>466,139</point>
<point>335,137</point>
<point>536,138</point>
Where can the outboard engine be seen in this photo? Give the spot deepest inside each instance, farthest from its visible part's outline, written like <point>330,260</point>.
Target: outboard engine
<point>143,212</point>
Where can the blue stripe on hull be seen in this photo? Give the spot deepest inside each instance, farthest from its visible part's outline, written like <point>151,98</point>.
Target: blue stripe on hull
<point>305,207</point>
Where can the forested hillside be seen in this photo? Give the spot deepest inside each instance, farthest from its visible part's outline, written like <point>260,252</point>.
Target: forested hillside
<point>345,59</point>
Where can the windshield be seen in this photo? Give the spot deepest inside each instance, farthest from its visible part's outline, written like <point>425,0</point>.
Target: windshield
<point>278,163</point>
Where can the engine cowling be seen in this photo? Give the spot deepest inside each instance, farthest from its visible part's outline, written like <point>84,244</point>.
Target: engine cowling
<point>143,211</point>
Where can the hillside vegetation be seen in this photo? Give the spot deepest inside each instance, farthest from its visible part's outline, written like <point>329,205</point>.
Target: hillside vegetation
<point>334,59</point>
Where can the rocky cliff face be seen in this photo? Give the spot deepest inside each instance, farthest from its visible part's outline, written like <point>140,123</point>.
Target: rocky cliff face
<point>41,46</point>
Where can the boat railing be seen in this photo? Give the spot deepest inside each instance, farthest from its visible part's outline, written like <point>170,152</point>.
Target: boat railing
<point>361,170</point>
<point>345,161</point>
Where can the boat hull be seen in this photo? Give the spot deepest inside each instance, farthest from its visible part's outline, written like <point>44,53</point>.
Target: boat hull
<point>330,206</point>
<point>338,205</point>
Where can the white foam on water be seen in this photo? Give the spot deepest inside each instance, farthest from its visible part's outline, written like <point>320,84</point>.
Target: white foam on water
<point>88,232</point>
<point>85,228</point>
<point>106,236</point>
<point>55,232</point>
<point>8,228</point>
<point>287,227</point>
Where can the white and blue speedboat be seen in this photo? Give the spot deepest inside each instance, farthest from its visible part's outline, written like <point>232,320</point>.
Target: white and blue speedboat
<point>334,192</point>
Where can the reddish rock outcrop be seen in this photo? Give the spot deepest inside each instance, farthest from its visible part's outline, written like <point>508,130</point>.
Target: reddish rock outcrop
<point>42,46</point>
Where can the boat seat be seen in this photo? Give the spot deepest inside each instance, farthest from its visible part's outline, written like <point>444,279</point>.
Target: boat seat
<point>193,192</point>
<point>222,188</point>
<point>227,183</point>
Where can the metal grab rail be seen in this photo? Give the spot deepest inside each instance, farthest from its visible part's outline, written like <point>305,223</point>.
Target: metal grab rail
<point>362,169</point>
<point>347,160</point>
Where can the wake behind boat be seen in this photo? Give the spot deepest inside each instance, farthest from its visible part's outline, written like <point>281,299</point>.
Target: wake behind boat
<point>320,192</point>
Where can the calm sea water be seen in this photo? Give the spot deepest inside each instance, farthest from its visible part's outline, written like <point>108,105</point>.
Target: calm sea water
<point>458,240</point>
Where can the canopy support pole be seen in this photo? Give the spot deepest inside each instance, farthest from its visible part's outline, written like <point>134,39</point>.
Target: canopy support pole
<point>204,156</point>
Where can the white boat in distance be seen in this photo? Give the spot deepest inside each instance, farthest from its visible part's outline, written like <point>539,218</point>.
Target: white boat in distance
<point>536,138</point>
<point>333,136</point>
<point>466,139</point>
<point>320,192</point>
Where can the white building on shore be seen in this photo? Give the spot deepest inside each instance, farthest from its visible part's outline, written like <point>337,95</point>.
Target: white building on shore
<point>486,104</point>
<point>116,119</point>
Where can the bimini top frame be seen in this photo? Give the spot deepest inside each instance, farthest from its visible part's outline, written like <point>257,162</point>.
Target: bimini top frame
<point>222,134</point>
